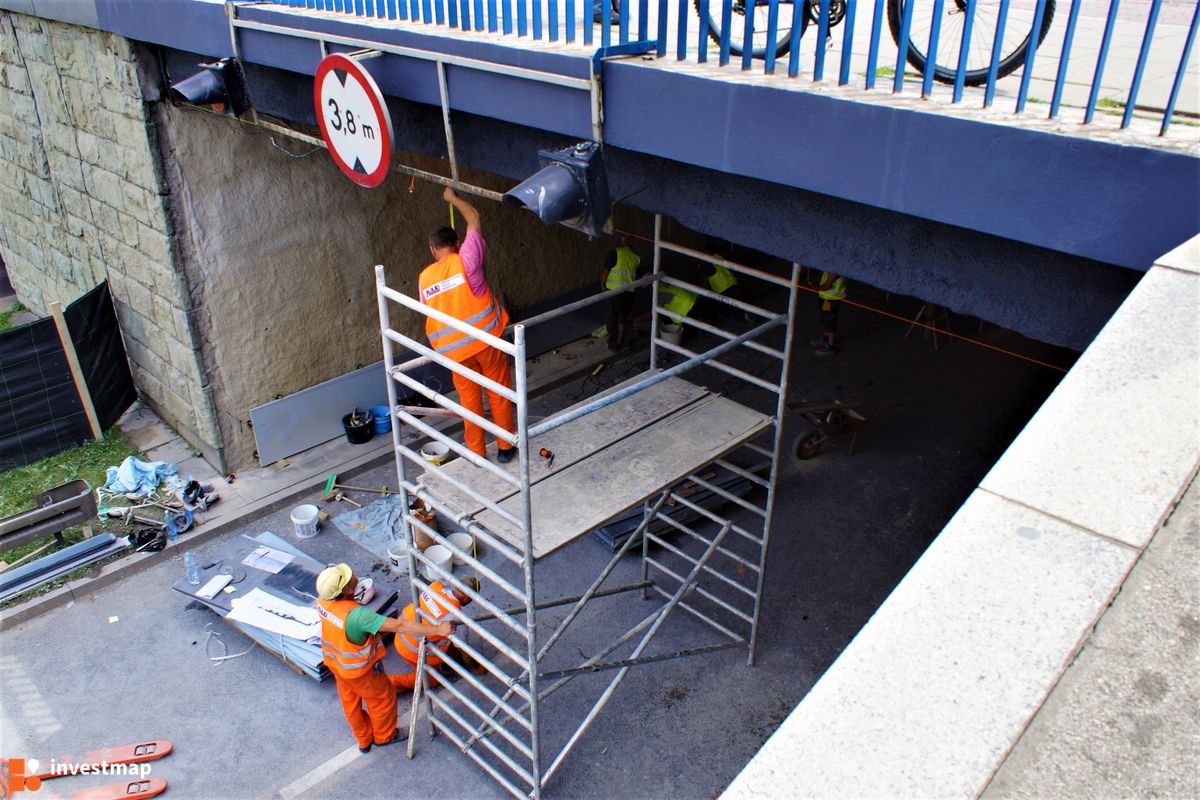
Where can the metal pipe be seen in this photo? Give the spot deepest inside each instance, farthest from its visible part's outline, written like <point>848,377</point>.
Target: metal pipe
<point>684,529</point>
<point>496,751</point>
<point>607,400</point>
<point>484,633</point>
<point>709,568</point>
<point>737,612</point>
<point>749,308</point>
<point>562,601</point>
<point>452,690</point>
<point>724,334</point>
<point>720,366</point>
<point>452,365</point>
<point>747,474</point>
<point>635,662</point>
<point>645,280</point>
<point>480,687</point>
<point>444,92</point>
<point>485,502</point>
<point>1169,111</point>
<point>777,446</point>
<point>496,671</point>
<point>657,273</point>
<point>453,322</point>
<point>479,567</point>
<point>703,617</point>
<point>637,651</point>
<point>453,407</point>
<point>733,498</point>
<point>461,519</point>
<point>520,794</point>
<point>461,449</point>
<point>712,516</point>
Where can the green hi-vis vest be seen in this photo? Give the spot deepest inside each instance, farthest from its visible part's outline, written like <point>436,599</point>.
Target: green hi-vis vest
<point>625,270</point>
<point>835,292</point>
<point>721,279</point>
<point>681,301</point>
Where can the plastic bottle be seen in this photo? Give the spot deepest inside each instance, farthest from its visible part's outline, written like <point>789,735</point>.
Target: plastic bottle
<point>193,569</point>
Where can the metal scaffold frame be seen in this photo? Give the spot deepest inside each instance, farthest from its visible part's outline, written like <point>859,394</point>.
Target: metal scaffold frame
<point>494,712</point>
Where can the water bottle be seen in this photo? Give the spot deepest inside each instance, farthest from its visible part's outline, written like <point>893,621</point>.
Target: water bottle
<point>193,569</point>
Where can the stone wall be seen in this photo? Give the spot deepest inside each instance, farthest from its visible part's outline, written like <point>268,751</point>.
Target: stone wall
<point>279,249</point>
<point>81,201</point>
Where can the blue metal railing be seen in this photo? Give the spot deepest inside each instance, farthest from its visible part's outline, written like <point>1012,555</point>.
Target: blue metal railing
<point>983,48</point>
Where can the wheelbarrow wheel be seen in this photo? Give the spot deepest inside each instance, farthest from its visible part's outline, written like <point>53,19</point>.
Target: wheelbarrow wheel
<point>807,445</point>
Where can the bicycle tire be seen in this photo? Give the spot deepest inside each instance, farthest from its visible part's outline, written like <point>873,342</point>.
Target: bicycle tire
<point>1017,31</point>
<point>783,42</point>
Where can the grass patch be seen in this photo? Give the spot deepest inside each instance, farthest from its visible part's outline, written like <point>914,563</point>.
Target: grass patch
<point>20,485</point>
<point>6,322</point>
<point>1108,102</point>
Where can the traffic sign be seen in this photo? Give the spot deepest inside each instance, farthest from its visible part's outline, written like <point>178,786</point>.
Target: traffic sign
<point>354,119</point>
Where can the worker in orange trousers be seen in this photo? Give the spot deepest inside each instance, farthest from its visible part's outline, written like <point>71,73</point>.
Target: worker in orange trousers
<point>353,652</point>
<point>455,284</point>
<point>436,602</point>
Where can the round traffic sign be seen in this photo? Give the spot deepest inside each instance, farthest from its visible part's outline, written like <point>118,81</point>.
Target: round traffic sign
<point>354,120</point>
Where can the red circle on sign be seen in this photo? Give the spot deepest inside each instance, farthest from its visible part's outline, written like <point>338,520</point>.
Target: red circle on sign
<point>355,72</point>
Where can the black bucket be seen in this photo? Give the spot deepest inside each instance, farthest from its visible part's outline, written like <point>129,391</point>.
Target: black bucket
<point>360,427</point>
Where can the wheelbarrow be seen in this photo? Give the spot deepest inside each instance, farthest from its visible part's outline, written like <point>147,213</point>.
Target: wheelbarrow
<point>828,419</point>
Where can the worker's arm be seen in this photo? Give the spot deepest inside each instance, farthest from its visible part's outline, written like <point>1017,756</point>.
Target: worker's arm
<point>610,261</point>
<point>397,625</point>
<point>468,211</point>
<point>825,284</point>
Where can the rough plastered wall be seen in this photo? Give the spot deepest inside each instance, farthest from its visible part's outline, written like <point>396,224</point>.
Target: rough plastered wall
<point>280,250</point>
<point>80,202</point>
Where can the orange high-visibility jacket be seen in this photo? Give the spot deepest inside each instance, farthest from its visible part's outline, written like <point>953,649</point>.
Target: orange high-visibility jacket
<point>444,286</point>
<point>342,656</point>
<point>435,604</point>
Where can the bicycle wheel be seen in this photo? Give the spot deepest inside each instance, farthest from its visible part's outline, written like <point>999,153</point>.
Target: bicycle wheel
<point>761,11</point>
<point>1015,41</point>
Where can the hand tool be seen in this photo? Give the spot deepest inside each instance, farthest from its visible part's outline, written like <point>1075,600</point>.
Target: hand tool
<point>344,499</point>
<point>332,488</point>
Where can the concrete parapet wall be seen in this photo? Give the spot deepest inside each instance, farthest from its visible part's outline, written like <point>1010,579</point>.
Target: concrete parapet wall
<point>81,201</point>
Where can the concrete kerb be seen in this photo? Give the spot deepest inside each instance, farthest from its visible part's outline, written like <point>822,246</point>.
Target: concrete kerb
<point>132,564</point>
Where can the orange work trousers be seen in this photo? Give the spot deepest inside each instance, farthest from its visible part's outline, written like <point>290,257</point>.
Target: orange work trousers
<point>375,690</point>
<point>492,364</point>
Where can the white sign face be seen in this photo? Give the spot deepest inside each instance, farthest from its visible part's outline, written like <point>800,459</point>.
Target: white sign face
<point>354,120</point>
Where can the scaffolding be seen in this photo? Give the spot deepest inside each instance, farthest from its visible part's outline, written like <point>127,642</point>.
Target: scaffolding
<point>651,443</point>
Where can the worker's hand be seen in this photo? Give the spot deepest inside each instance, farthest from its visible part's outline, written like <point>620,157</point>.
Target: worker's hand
<point>449,195</point>
<point>446,629</point>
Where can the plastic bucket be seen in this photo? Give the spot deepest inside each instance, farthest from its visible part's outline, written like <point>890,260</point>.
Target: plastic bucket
<point>462,541</point>
<point>306,520</point>
<point>398,557</point>
<point>671,333</point>
<point>382,417</point>
<point>360,433</point>
<point>440,556</point>
<point>435,453</point>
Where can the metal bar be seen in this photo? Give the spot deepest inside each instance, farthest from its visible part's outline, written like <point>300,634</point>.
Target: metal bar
<point>1179,73</point>
<point>733,498</point>
<point>481,569</point>
<point>847,41</point>
<point>662,28</point>
<point>684,529</point>
<point>562,601</point>
<point>1136,86</point>
<point>506,679</point>
<point>637,651</point>
<point>506,21</point>
<point>718,365</point>
<point>571,22</point>
<point>587,301</point>
<point>794,45</point>
<point>486,502</point>
<point>964,50</point>
<point>423,55</point>
<point>484,633</point>
<point>461,518</point>
<point>453,366</point>
<point>1101,60</point>
<point>658,273</point>
<point>451,712</point>
<point>520,794</point>
<point>478,15</point>
<point>643,20</point>
<point>454,408</point>
<point>552,19</point>
<point>748,37</point>
<point>681,30</point>
<point>458,325</point>
<point>726,35</point>
<point>570,416</point>
<point>716,573</point>
<point>720,298</point>
<point>772,34</point>
<point>479,686</point>
<point>449,688</point>
<point>935,30</point>
<point>522,18</point>
<point>704,618</point>
<point>537,19</point>
<point>702,14</point>
<point>724,334</point>
<point>902,44</point>
<point>445,96</point>
<point>492,23</point>
<point>712,517</point>
<point>822,37</point>
<point>762,451</point>
<point>1064,57</point>
<point>732,266</point>
<point>989,91</point>
<point>776,448</point>
<point>636,662</point>
<point>460,449</point>
<point>747,474</point>
<point>1039,14</point>
<point>661,567</point>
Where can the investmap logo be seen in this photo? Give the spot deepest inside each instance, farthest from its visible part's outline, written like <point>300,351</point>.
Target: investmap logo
<point>25,774</point>
<point>18,775</point>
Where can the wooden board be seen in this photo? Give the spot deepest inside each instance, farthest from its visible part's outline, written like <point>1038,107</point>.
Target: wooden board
<point>573,501</point>
<point>570,444</point>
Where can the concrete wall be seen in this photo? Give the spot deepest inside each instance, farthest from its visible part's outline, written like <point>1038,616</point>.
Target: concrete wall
<point>80,201</point>
<point>279,251</point>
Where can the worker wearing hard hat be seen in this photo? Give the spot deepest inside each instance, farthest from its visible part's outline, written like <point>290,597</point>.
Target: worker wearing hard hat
<point>436,602</point>
<point>455,284</point>
<point>353,652</point>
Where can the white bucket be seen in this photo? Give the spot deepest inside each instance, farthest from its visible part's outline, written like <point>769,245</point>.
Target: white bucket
<point>462,541</point>
<point>671,333</point>
<point>435,453</point>
<point>306,520</point>
<point>439,555</point>
<point>398,556</point>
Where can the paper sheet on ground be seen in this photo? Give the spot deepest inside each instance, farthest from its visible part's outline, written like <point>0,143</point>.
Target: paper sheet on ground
<point>268,559</point>
<point>268,612</point>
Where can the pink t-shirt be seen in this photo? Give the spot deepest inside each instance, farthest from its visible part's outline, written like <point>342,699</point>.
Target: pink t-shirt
<point>472,251</point>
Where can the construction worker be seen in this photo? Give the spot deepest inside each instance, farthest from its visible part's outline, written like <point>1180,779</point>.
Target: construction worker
<point>455,284</point>
<point>620,269</point>
<point>353,652</point>
<point>435,602</point>
<point>830,292</point>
